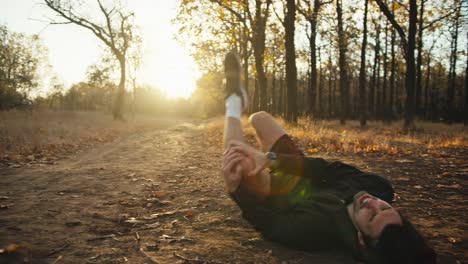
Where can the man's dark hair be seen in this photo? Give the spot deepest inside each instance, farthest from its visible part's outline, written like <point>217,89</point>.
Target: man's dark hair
<point>401,244</point>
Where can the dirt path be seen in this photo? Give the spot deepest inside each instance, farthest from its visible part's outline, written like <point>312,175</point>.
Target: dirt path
<point>155,197</point>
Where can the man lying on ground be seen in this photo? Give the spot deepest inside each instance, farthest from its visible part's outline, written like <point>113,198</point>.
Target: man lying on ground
<point>310,203</point>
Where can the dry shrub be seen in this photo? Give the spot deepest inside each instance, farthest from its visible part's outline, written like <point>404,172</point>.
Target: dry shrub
<point>377,138</point>
<point>45,132</point>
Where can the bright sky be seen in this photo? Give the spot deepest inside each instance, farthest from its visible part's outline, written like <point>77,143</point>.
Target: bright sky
<point>166,64</point>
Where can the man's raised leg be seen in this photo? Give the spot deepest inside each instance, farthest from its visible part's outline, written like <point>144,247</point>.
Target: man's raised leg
<point>236,100</point>
<point>233,164</point>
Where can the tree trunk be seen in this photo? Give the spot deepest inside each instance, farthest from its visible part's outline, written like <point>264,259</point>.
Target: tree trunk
<point>259,49</point>
<point>255,98</point>
<point>344,85</point>
<point>273,93</point>
<point>465,121</point>
<point>280,108</point>
<point>383,107</point>
<point>261,77</point>
<point>453,71</point>
<point>320,88</point>
<point>335,88</point>
<point>362,72</point>
<point>410,66</point>
<point>291,70</point>
<point>330,82</point>
<point>435,94</point>
<point>246,58</point>
<point>419,59</point>
<point>119,100</point>
<point>426,89</point>
<point>378,92</point>
<point>392,77</point>
<point>374,73</point>
<point>313,58</point>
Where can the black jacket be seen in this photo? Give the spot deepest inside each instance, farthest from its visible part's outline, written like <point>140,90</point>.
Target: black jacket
<point>313,215</point>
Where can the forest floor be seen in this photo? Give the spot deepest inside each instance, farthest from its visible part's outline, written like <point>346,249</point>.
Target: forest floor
<point>156,195</point>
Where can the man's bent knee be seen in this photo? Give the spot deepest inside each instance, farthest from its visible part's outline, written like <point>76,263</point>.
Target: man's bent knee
<point>255,118</point>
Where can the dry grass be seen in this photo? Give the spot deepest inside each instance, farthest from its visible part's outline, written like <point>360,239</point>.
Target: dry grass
<point>41,133</point>
<point>44,135</point>
<point>377,138</point>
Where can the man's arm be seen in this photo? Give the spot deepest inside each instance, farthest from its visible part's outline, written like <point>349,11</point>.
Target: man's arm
<point>300,166</point>
<point>318,170</point>
<point>307,228</point>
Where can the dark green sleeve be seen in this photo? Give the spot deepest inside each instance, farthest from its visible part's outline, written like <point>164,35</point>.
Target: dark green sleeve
<point>316,169</point>
<point>320,171</point>
<point>300,228</point>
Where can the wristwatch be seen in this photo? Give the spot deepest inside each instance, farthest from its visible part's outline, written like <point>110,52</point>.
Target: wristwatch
<point>272,159</point>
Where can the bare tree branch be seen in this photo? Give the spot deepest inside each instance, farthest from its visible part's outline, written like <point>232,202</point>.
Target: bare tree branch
<point>403,5</point>
<point>391,18</point>
<point>440,18</point>
<point>277,16</point>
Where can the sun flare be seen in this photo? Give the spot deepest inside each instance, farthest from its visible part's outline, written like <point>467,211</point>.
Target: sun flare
<point>171,71</point>
<point>166,64</point>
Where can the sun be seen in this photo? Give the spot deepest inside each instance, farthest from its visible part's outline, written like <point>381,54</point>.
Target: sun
<point>167,65</point>
<point>171,70</point>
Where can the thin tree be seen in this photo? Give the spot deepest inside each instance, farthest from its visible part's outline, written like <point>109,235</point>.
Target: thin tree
<point>419,58</point>
<point>342,47</point>
<point>453,66</point>
<point>392,76</point>
<point>116,33</point>
<point>320,87</point>
<point>330,82</point>
<point>291,70</point>
<point>408,45</point>
<point>465,121</point>
<point>383,104</point>
<point>257,23</point>
<point>362,71</point>
<point>311,15</point>
<point>375,71</point>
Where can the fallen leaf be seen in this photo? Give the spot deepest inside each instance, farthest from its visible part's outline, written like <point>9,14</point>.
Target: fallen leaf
<point>5,206</point>
<point>9,249</point>
<point>132,220</point>
<point>404,161</point>
<point>153,225</point>
<point>445,174</point>
<point>153,247</point>
<point>454,186</point>
<point>190,214</point>
<point>72,224</point>
<point>159,194</point>
<point>153,216</point>
<point>402,179</point>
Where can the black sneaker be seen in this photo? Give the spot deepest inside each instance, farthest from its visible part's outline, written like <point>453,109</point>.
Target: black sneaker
<point>232,70</point>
